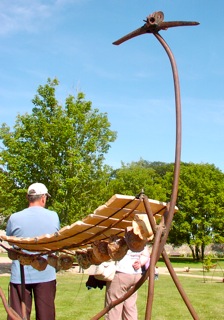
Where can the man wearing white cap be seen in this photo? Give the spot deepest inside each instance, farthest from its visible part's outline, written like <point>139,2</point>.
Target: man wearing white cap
<point>34,221</point>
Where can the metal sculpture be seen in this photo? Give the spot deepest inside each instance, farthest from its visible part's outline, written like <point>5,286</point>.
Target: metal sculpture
<point>153,24</point>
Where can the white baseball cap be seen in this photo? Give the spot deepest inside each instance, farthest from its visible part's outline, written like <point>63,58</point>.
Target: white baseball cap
<point>37,189</point>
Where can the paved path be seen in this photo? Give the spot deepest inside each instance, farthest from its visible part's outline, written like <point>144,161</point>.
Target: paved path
<point>5,264</point>
<point>210,275</point>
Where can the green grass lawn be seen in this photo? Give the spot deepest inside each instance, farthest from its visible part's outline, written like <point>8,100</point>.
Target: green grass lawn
<point>74,301</point>
<point>189,262</point>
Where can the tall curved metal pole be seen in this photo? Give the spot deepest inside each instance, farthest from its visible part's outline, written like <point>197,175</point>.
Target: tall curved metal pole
<point>154,23</point>
<point>168,217</point>
<point>153,260</point>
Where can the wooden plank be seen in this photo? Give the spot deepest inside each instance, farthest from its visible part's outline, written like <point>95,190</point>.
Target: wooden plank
<point>109,219</point>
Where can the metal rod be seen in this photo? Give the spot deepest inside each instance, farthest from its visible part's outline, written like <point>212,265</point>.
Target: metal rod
<point>179,286</point>
<point>12,314</point>
<point>154,23</point>
<point>169,216</point>
<point>23,288</point>
<point>153,260</point>
<point>149,214</point>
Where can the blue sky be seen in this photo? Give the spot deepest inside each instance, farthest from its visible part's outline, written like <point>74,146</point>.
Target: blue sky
<point>132,83</point>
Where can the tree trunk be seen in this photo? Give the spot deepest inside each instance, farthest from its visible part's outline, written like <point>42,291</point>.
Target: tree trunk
<point>202,251</point>
<point>197,253</point>
<point>192,251</point>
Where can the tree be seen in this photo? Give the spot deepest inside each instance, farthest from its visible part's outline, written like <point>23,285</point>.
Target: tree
<point>63,148</point>
<point>200,220</point>
<point>8,200</point>
<point>132,178</point>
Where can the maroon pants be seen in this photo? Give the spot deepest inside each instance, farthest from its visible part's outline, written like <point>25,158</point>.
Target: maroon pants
<point>44,296</point>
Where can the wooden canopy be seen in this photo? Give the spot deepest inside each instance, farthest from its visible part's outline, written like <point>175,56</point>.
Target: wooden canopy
<point>111,218</point>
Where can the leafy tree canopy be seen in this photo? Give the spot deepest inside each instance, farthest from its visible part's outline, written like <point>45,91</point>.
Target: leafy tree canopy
<point>201,203</point>
<point>62,147</point>
<point>139,176</point>
<point>200,219</point>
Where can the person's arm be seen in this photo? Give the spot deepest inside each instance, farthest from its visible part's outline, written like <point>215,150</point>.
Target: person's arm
<point>143,259</point>
<point>145,256</point>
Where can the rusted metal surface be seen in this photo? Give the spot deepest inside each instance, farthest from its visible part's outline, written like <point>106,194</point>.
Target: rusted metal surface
<point>12,314</point>
<point>179,286</point>
<point>153,24</point>
<point>169,214</point>
<point>23,292</point>
<point>153,260</point>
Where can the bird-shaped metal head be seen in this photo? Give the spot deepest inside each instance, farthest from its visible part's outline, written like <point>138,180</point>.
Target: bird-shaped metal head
<point>153,24</point>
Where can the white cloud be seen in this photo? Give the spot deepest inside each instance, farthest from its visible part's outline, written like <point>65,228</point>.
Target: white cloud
<point>22,15</point>
<point>29,16</point>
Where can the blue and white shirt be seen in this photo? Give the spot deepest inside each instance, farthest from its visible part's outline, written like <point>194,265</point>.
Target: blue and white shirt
<point>32,222</point>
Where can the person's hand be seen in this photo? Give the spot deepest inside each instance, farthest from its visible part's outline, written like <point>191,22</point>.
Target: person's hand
<point>136,265</point>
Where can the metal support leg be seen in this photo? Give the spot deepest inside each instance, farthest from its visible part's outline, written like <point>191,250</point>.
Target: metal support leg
<point>13,315</point>
<point>179,286</point>
<point>153,261</point>
<point>23,288</point>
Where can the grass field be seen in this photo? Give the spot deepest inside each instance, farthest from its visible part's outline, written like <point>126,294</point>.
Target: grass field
<point>74,301</point>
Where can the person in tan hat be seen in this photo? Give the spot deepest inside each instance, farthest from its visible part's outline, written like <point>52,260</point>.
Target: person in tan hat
<point>34,221</point>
